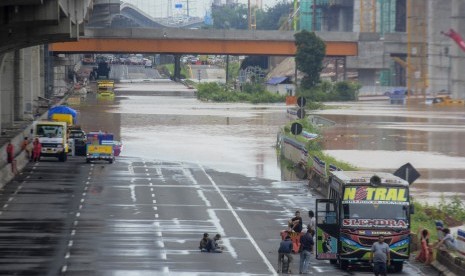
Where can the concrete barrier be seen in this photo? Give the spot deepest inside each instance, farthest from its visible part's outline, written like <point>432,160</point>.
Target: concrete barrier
<point>450,262</point>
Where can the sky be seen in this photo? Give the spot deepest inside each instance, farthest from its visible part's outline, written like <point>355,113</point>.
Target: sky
<point>159,8</point>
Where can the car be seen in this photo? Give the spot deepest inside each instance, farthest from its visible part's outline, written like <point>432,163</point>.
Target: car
<point>148,63</point>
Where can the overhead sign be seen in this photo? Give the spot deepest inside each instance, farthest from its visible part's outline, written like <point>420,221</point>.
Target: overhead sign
<point>178,6</point>
<point>364,193</point>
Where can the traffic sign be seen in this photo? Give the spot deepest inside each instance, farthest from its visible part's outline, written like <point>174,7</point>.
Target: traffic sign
<point>296,128</point>
<point>301,113</point>
<point>301,101</point>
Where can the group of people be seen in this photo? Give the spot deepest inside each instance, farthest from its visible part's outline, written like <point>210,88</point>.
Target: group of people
<point>305,244</point>
<point>32,149</point>
<point>208,244</point>
<point>426,249</point>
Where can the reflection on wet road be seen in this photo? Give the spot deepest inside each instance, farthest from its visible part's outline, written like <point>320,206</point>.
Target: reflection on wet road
<point>377,135</point>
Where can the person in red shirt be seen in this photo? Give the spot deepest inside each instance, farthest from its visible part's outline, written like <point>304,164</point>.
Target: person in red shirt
<point>37,148</point>
<point>10,152</point>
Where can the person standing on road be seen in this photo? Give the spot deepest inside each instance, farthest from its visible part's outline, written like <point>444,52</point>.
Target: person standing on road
<point>10,152</point>
<point>306,248</point>
<point>37,148</point>
<point>25,147</point>
<point>285,250</point>
<point>296,222</point>
<point>312,223</point>
<point>380,256</point>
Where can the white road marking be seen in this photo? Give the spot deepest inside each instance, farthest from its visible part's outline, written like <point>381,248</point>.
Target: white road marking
<point>64,268</point>
<point>156,215</point>
<point>241,224</point>
<point>6,205</point>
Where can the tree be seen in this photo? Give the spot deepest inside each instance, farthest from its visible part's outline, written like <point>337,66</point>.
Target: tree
<point>230,17</point>
<point>310,53</point>
<point>272,18</point>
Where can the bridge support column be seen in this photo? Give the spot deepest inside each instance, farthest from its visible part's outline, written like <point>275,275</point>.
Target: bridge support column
<point>6,89</point>
<point>227,69</point>
<point>177,67</point>
<point>458,56</point>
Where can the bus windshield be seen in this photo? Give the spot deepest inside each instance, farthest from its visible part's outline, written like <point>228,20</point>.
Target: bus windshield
<point>375,215</point>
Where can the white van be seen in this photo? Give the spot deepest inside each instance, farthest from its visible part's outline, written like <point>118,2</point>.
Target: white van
<point>148,63</point>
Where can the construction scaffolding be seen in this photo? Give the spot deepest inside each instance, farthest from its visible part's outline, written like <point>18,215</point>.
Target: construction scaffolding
<point>417,46</point>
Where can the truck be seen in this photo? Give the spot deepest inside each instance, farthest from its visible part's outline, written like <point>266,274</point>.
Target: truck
<point>100,147</point>
<point>361,206</point>
<point>105,88</point>
<point>53,138</point>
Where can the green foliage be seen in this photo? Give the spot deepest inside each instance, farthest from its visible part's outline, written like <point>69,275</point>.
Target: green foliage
<point>168,70</point>
<point>327,91</point>
<point>230,17</point>
<point>233,70</point>
<point>311,51</point>
<point>221,93</point>
<point>272,18</point>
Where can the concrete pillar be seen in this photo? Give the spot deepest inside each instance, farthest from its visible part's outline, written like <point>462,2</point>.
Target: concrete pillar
<point>439,56</point>
<point>7,89</point>
<point>27,85</point>
<point>356,22</point>
<point>37,77</point>
<point>458,56</point>
<point>177,67</point>
<point>367,77</point>
<point>18,83</point>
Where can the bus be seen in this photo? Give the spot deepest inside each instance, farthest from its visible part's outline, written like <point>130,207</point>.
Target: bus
<point>360,207</point>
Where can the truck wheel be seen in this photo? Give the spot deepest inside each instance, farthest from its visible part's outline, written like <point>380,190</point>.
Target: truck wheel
<point>110,161</point>
<point>87,160</point>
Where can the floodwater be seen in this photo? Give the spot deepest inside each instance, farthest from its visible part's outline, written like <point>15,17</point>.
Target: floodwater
<point>380,136</point>
<point>165,121</point>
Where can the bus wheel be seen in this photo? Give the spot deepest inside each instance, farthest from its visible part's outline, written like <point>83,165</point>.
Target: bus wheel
<point>333,262</point>
<point>397,266</point>
<point>344,264</point>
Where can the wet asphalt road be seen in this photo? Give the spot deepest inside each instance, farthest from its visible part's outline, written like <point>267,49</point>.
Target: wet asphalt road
<point>145,217</point>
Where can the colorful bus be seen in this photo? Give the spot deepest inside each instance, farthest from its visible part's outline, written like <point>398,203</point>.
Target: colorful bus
<point>360,207</point>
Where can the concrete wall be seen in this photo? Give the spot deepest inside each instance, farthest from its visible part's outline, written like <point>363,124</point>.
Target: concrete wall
<point>6,89</point>
<point>439,55</point>
<point>458,56</point>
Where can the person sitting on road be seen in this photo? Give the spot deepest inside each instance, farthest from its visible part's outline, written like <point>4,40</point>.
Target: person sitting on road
<point>296,222</point>
<point>212,245</point>
<point>204,242</point>
<point>448,241</point>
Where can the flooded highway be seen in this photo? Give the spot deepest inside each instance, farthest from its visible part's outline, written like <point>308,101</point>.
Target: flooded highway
<point>380,136</point>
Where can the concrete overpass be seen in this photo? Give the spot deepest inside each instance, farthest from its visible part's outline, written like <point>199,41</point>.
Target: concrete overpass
<point>186,41</point>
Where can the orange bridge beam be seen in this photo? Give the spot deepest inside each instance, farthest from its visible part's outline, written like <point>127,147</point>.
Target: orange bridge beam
<point>195,46</point>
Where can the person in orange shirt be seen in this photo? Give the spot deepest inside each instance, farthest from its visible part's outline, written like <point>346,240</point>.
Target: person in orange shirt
<point>24,147</point>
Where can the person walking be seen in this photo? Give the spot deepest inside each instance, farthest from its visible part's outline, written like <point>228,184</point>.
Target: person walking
<point>285,250</point>
<point>306,248</point>
<point>380,256</point>
<point>37,148</point>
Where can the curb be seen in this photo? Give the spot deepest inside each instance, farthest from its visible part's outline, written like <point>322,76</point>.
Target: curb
<point>443,271</point>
